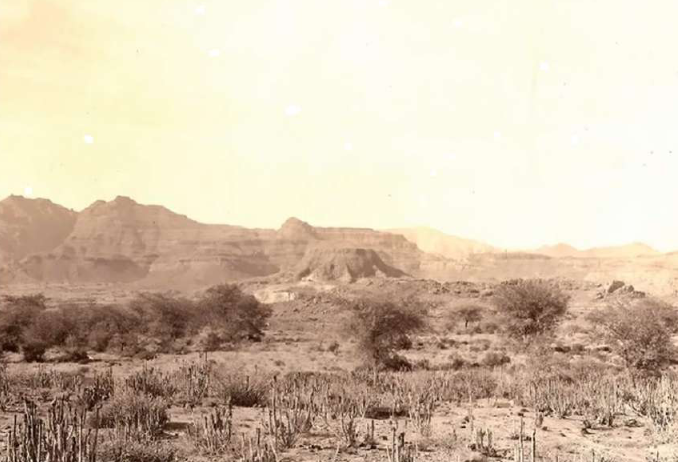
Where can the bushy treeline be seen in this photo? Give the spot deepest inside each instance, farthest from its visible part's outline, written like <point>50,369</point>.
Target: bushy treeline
<point>527,313</point>
<point>150,322</point>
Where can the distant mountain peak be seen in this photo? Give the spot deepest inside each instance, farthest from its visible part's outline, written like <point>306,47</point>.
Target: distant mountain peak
<point>295,228</point>
<point>634,249</point>
<point>436,242</point>
<point>124,200</point>
<point>32,225</point>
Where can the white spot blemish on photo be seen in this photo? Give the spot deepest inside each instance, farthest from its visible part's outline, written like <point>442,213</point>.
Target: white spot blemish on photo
<point>292,110</point>
<point>348,146</point>
<point>544,66</point>
<point>497,135</point>
<point>383,3</point>
<point>433,173</point>
<point>458,23</point>
<point>214,52</point>
<point>89,139</point>
<point>574,139</point>
<point>200,10</point>
<point>28,191</point>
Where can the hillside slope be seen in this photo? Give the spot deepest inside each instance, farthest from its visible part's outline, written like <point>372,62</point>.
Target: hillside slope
<point>32,225</point>
<point>438,243</point>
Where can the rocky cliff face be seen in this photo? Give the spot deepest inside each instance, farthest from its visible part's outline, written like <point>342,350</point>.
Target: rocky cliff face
<point>123,241</point>
<point>343,264</point>
<point>30,226</point>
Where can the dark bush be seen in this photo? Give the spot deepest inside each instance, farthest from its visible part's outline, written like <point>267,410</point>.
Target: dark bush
<point>382,328</point>
<point>640,332</point>
<point>151,322</point>
<point>243,390</point>
<point>16,315</point>
<point>333,347</point>
<point>232,313</point>
<point>531,307</point>
<point>495,359</point>
<point>163,317</point>
<point>34,351</point>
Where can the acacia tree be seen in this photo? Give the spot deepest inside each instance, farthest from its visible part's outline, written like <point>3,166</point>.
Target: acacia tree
<point>530,307</point>
<point>640,332</point>
<point>382,327</point>
<point>468,313</point>
<point>233,314</point>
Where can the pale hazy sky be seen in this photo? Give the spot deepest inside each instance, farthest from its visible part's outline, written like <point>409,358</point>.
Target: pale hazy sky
<point>520,123</point>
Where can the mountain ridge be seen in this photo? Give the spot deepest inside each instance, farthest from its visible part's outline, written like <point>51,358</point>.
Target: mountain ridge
<point>123,241</point>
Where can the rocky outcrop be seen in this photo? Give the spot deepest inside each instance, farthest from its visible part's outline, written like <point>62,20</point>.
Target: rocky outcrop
<point>343,264</point>
<point>619,288</point>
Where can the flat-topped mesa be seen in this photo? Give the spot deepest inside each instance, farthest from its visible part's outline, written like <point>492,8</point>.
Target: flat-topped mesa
<point>343,264</point>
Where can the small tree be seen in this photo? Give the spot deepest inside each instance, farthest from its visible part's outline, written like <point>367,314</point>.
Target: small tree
<point>640,332</point>
<point>16,316</point>
<point>468,313</point>
<point>384,327</point>
<point>531,307</point>
<point>234,314</point>
<point>164,317</point>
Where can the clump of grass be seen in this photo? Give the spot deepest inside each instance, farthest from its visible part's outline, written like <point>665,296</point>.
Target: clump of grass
<point>133,415</point>
<point>121,450</point>
<point>242,390</point>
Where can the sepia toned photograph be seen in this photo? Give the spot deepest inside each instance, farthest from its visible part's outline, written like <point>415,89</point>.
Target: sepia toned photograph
<point>338,231</point>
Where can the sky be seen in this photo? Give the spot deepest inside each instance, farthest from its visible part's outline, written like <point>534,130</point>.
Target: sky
<point>518,123</point>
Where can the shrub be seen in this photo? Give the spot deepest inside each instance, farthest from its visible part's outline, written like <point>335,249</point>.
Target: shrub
<point>530,307</point>
<point>382,328</point>
<point>151,382</point>
<point>242,390</point>
<point>132,414</point>
<point>234,314</point>
<point>163,317</point>
<point>209,340</point>
<point>640,332</point>
<point>75,355</point>
<point>34,351</point>
<point>334,347</point>
<point>157,322</point>
<point>17,315</point>
<point>495,359</point>
<point>121,450</point>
